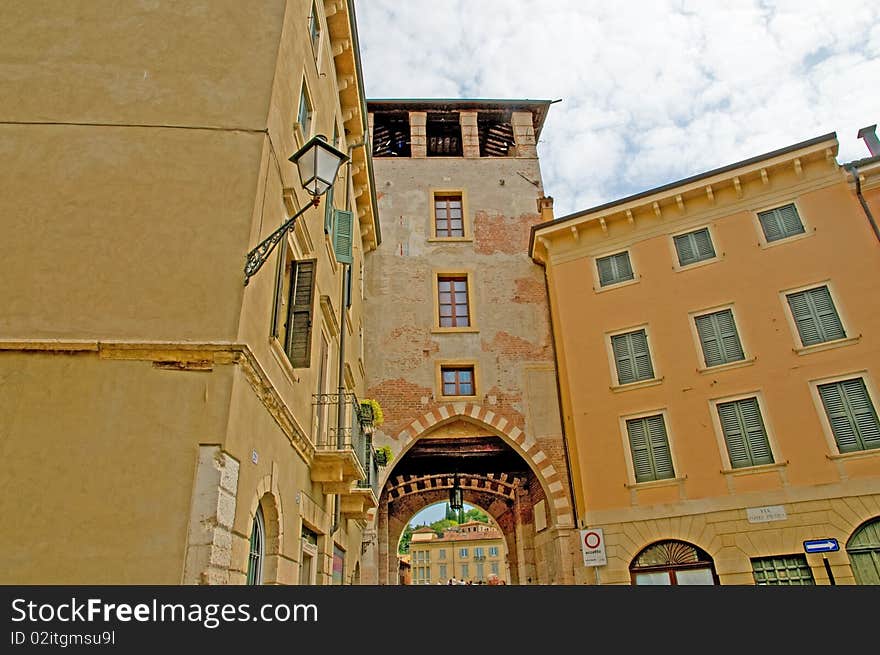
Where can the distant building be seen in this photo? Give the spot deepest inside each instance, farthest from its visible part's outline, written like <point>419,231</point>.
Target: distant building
<point>473,551</point>
<point>719,360</point>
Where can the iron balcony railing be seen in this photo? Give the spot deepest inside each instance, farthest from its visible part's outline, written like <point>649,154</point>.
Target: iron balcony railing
<point>349,436</point>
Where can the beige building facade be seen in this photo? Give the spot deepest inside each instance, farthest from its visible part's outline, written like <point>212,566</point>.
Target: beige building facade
<point>719,363</point>
<point>160,418</point>
<point>471,552</point>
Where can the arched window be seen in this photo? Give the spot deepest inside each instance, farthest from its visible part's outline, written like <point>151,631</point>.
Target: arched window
<point>673,563</point>
<point>863,549</point>
<point>257,549</point>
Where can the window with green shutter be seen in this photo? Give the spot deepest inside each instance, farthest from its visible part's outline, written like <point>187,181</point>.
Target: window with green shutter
<point>851,414</point>
<point>298,339</point>
<point>632,357</point>
<point>719,338</point>
<point>815,316</point>
<point>744,433</point>
<point>694,247</point>
<point>781,223</point>
<point>649,447</point>
<point>343,226</point>
<point>614,269</point>
<point>784,570</point>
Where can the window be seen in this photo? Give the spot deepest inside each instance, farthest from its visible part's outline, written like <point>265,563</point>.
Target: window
<point>851,415</point>
<point>442,553</point>
<point>863,549</point>
<point>458,380</point>
<point>465,572</point>
<point>452,301</point>
<point>493,551</point>
<point>308,569</point>
<point>493,567</point>
<point>321,407</point>
<point>649,447</point>
<point>257,546</point>
<point>479,553</point>
<point>314,28</point>
<point>694,247</point>
<point>632,357</point>
<point>719,338</point>
<point>815,316</point>
<point>481,571</point>
<point>672,563</point>
<point>442,571</point>
<point>784,570</point>
<point>463,552</point>
<point>744,433</point>
<point>304,117</point>
<point>295,289</point>
<point>448,218</point>
<point>614,269</point>
<point>781,223</point>
<point>338,576</point>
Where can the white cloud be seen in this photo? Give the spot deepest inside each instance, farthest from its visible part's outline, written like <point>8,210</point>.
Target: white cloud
<point>651,91</point>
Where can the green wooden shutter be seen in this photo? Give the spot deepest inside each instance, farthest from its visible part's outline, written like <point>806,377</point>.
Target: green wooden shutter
<point>343,224</point>
<point>744,433</point>
<point>719,338</point>
<point>780,223</point>
<point>694,247</point>
<point>815,316</point>
<point>614,269</point>
<point>851,414</point>
<point>650,448</point>
<point>299,318</point>
<point>632,357</point>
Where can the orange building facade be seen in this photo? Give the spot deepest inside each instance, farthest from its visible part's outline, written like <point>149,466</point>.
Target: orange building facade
<point>718,346</point>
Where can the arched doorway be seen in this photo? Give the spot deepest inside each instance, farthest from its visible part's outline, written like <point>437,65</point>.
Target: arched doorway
<point>863,549</point>
<point>673,562</point>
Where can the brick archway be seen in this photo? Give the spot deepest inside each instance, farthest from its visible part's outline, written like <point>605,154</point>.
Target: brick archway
<point>527,447</point>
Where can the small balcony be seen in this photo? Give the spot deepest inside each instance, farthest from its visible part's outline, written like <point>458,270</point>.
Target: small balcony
<point>340,452</point>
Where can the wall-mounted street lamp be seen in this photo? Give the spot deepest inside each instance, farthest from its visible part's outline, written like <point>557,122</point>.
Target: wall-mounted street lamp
<point>318,163</point>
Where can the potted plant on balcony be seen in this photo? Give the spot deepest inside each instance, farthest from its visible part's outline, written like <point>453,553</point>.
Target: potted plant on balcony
<point>371,413</point>
<point>383,455</point>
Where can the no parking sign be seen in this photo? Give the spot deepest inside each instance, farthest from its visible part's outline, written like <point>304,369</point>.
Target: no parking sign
<point>593,547</point>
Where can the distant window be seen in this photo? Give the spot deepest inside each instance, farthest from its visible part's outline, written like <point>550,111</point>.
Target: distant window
<point>257,552</point>
<point>694,247</point>
<point>632,357</point>
<point>452,301</point>
<point>719,338</point>
<point>457,380</point>
<point>744,433</point>
<point>851,414</point>
<point>443,131</point>
<point>304,117</point>
<point>815,316</point>
<point>614,269</point>
<point>649,447</point>
<point>448,220</point>
<point>781,223</point>
<point>463,552</point>
<point>442,553</point>
<point>493,551</point>
<point>785,570</point>
<point>314,28</point>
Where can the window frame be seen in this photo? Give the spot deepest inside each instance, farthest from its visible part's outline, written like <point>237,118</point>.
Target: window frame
<point>831,440</point>
<point>727,467</point>
<point>313,26</point>
<point>469,281</point>
<point>258,528</point>
<point>456,364</point>
<point>799,347</point>
<point>627,450</point>
<point>597,282</point>
<point>676,263</point>
<point>763,242</point>
<point>798,556</point>
<point>747,359</point>
<point>302,135</point>
<point>616,385</point>
<point>433,194</point>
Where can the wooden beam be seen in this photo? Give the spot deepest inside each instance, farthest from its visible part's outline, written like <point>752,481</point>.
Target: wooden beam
<point>657,211</point>
<point>738,187</point>
<point>764,177</point>
<point>710,194</point>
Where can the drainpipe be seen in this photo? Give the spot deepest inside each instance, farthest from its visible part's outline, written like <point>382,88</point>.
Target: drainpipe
<point>854,171</point>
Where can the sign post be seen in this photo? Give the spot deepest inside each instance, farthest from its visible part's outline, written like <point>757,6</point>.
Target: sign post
<point>593,547</point>
<point>823,546</point>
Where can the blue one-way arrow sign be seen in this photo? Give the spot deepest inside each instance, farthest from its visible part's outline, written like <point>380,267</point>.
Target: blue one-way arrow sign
<point>821,545</point>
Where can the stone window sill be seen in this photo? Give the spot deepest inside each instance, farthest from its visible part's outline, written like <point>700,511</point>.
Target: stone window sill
<point>857,454</point>
<point>795,237</point>
<point>452,330</point>
<point>678,268</point>
<point>827,345</point>
<point>618,388</point>
<point>753,470</point>
<point>729,365</point>
<point>450,240</point>
<point>617,285</point>
<point>667,482</point>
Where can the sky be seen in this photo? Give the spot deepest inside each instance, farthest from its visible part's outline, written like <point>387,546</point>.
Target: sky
<point>433,513</point>
<point>650,91</point>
